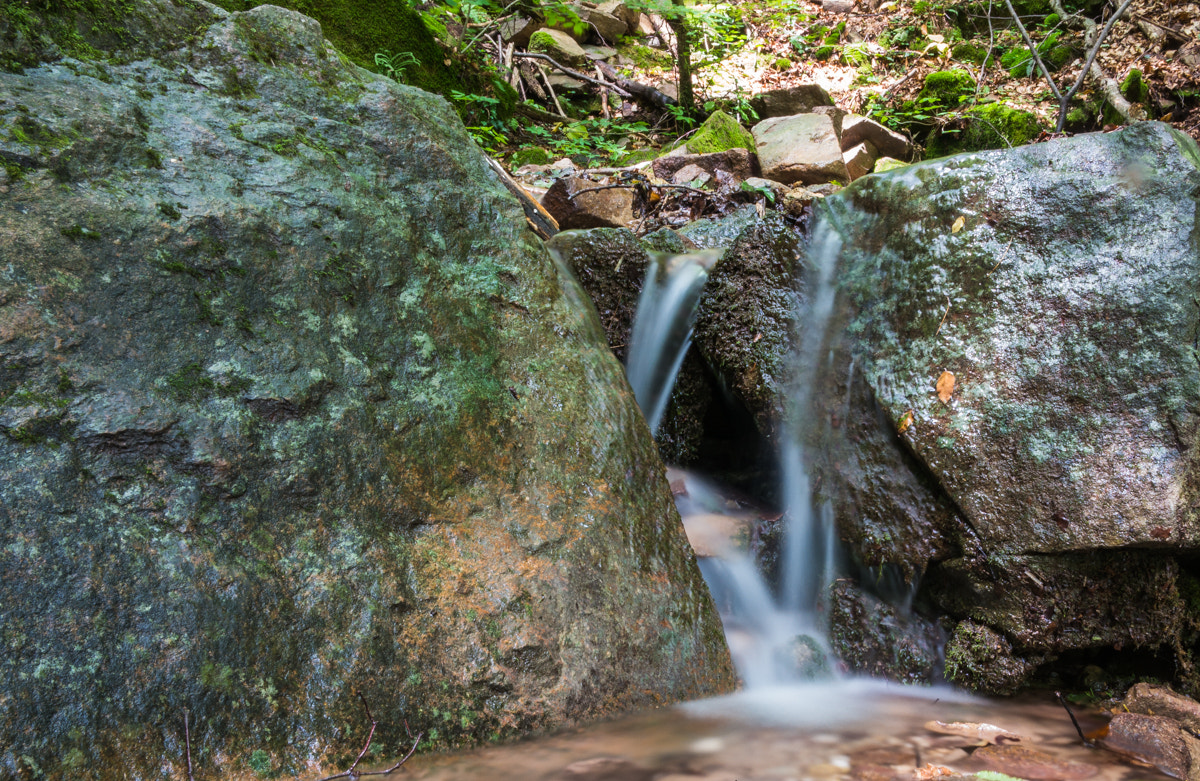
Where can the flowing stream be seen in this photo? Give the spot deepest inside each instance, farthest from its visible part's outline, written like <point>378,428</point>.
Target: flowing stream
<point>793,720</point>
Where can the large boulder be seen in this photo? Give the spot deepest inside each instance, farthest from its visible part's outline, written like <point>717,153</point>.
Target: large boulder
<point>294,408</point>
<point>1019,389</point>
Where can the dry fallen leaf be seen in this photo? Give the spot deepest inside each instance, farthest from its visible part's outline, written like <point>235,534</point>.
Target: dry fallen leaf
<point>932,771</point>
<point>958,225</point>
<point>945,386</point>
<point>905,422</point>
<point>979,731</point>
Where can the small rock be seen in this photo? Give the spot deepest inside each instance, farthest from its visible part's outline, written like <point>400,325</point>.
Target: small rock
<point>518,30</point>
<point>790,100</point>
<point>619,9</point>
<point>692,174</point>
<point>1156,740</point>
<point>803,148</point>
<point>797,199</point>
<point>1152,700</point>
<point>837,6</point>
<point>739,162</point>
<point>856,129</point>
<point>600,52</point>
<point>559,45</point>
<point>860,160</point>
<point>611,208</point>
<point>605,27</point>
<point>1024,762</point>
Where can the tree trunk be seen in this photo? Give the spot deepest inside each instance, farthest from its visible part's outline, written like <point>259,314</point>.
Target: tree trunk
<point>683,57</point>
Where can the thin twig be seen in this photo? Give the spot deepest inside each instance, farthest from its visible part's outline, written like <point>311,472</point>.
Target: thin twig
<point>550,89</point>
<point>1107,86</point>
<point>944,316</point>
<point>352,773</point>
<point>187,736</point>
<point>1062,701</point>
<point>614,186</point>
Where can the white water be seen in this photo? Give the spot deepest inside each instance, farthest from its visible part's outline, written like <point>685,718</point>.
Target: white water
<point>775,639</point>
<point>662,329</point>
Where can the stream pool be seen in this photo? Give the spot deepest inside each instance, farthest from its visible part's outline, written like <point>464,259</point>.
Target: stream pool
<point>849,730</point>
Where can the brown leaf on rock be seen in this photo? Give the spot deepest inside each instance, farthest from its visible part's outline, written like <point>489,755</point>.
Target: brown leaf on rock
<point>945,386</point>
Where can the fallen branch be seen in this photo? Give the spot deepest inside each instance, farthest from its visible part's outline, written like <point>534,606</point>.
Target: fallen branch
<point>572,73</point>
<point>635,185</point>
<point>1091,42</point>
<point>635,88</point>
<point>536,215</point>
<point>351,773</point>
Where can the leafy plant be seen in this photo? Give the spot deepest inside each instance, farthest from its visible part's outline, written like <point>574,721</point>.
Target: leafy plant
<point>595,139</point>
<point>394,64</point>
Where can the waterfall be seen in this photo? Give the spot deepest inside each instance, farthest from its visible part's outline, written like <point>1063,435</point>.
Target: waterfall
<point>809,544</point>
<point>774,638</point>
<point>662,328</point>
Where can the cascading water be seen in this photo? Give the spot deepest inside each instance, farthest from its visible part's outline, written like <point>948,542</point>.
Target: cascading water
<point>662,328</point>
<point>773,638</point>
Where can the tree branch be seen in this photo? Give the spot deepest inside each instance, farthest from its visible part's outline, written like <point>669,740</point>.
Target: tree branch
<point>1092,41</point>
<point>574,74</point>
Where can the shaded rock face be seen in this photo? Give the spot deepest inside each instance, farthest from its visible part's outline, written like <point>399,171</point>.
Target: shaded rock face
<point>747,316</point>
<point>1021,327</point>
<point>293,407</point>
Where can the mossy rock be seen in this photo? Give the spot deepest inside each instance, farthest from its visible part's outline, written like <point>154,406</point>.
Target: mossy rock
<point>720,133</point>
<point>946,89</point>
<point>360,29</point>
<point>980,659</point>
<point>559,45</point>
<point>990,126</point>
<point>1134,87</point>
<point>529,155</point>
<point>969,52</point>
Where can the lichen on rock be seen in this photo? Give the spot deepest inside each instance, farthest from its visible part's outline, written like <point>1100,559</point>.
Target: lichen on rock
<point>291,407</point>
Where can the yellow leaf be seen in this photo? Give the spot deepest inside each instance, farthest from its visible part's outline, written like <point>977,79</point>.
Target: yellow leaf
<point>937,38</point>
<point>889,6</point>
<point>945,386</point>
<point>958,225</point>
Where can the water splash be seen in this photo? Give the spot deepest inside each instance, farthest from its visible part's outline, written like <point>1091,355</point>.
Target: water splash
<point>662,328</point>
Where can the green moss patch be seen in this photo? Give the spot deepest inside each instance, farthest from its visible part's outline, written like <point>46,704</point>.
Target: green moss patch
<point>990,126</point>
<point>720,133</point>
<point>946,89</point>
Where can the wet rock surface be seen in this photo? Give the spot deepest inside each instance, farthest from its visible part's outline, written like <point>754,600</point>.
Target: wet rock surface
<point>1024,328</point>
<point>832,733</point>
<point>293,407</point>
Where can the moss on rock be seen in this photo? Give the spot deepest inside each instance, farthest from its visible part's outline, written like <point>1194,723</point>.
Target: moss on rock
<point>719,133</point>
<point>990,126</point>
<point>946,89</point>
